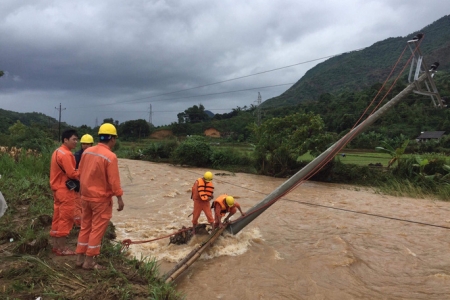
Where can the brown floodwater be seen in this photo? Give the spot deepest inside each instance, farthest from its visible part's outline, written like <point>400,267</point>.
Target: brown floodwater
<point>292,250</point>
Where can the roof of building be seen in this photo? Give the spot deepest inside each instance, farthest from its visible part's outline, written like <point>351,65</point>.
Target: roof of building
<point>431,135</point>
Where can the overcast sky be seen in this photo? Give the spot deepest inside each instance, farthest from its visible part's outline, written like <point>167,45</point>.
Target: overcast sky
<point>113,59</point>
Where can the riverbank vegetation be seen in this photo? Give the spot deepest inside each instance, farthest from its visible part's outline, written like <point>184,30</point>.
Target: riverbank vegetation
<point>29,269</point>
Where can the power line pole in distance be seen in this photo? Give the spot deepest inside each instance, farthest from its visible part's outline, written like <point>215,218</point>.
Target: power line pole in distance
<point>259,109</point>
<point>59,121</point>
<point>150,115</point>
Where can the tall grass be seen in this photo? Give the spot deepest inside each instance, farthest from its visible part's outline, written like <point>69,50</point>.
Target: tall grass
<point>402,188</point>
<point>25,181</point>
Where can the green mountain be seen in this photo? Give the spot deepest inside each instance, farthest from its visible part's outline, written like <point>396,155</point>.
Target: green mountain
<point>9,118</point>
<point>357,70</point>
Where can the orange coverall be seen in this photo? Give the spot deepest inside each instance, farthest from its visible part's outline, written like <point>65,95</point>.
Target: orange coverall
<point>199,206</point>
<point>63,198</point>
<point>99,181</point>
<point>77,211</point>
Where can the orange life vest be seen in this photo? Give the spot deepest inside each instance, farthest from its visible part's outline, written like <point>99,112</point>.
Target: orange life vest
<point>205,189</point>
<point>221,201</point>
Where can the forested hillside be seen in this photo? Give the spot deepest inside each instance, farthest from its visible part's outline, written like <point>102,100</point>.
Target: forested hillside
<point>8,118</point>
<point>358,70</point>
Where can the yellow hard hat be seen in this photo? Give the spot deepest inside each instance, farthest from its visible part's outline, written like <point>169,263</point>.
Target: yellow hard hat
<point>87,139</point>
<point>208,176</point>
<point>107,128</point>
<point>230,201</point>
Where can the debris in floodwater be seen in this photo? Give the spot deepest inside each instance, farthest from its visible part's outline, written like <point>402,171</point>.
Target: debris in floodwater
<point>185,236</point>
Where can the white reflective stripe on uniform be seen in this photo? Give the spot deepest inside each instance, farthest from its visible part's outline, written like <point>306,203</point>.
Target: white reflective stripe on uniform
<point>82,244</point>
<point>59,150</point>
<point>94,246</point>
<point>96,154</point>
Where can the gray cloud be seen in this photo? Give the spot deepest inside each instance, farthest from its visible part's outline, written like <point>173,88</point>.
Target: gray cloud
<point>104,59</point>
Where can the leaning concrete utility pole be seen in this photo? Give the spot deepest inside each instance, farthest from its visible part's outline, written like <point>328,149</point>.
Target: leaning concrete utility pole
<point>192,256</point>
<point>422,74</point>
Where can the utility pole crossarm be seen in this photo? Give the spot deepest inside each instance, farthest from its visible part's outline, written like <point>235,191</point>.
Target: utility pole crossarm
<point>418,67</point>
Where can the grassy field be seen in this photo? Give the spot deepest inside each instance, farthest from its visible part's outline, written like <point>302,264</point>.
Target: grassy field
<point>357,158</point>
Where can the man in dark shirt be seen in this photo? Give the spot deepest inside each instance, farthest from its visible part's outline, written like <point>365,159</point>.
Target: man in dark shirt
<point>86,141</point>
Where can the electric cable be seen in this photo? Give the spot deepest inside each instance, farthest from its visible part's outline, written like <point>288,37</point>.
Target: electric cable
<point>335,208</point>
<point>195,96</point>
<point>232,79</point>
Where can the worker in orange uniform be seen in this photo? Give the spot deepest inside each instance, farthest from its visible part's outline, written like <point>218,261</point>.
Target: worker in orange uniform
<point>202,193</point>
<point>86,141</point>
<point>222,205</point>
<point>62,169</point>
<point>99,180</point>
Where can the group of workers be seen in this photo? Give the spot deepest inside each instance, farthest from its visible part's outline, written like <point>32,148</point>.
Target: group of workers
<point>95,169</point>
<point>202,194</point>
<point>84,183</point>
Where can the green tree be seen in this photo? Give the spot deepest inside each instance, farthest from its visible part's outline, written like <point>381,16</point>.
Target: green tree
<point>194,151</point>
<point>194,114</point>
<point>395,154</point>
<point>17,129</point>
<point>31,137</point>
<point>112,121</point>
<point>279,141</point>
<point>134,129</point>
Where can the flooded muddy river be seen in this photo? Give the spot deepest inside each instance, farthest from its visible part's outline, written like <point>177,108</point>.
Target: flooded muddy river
<point>292,250</point>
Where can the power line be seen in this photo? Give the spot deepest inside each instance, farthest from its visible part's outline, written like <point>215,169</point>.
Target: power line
<point>155,111</point>
<point>227,92</point>
<point>232,79</point>
<point>241,77</point>
<point>202,95</point>
<point>146,113</point>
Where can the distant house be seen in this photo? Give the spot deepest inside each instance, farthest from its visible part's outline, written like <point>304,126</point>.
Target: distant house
<point>430,135</point>
<point>212,132</point>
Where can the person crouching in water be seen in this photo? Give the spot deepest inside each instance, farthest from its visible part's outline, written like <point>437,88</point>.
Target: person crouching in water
<point>222,205</point>
<point>86,141</point>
